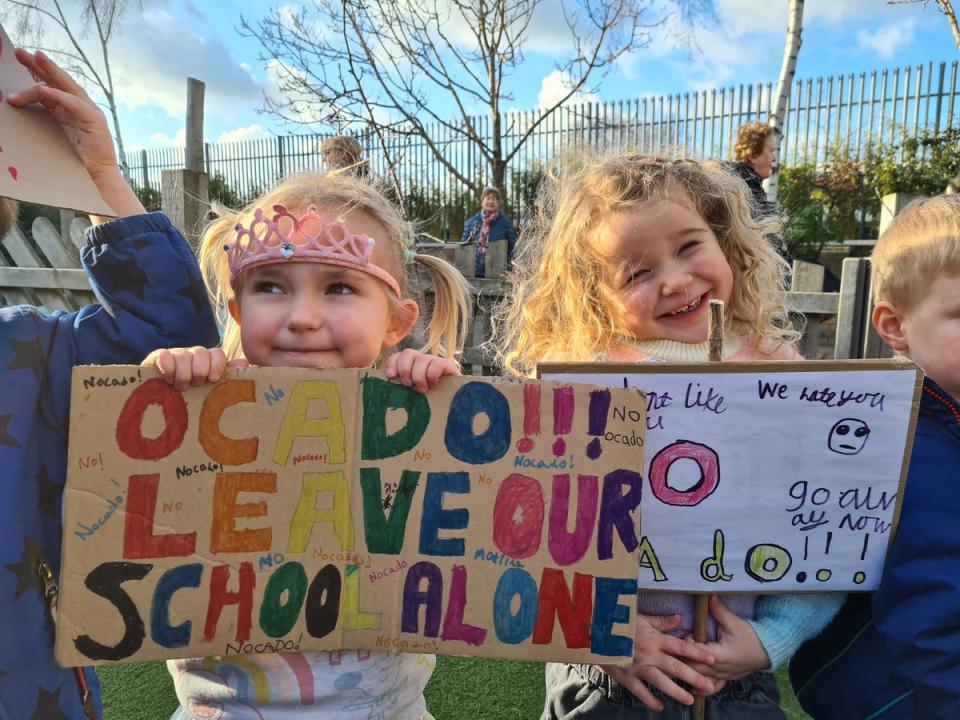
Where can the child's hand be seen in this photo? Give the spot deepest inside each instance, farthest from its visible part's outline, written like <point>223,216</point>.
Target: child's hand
<point>419,370</point>
<point>183,367</point>
<point>657,661</point>
<point>84,125</point>
<point>737,652</point>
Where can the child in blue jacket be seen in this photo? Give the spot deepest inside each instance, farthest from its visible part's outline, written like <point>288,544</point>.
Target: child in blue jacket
<point>896,653</point>
<point>151,296</point>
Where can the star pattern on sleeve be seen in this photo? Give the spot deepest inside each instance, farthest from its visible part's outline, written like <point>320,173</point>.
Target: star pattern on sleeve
<point>27,354</point>
<point>129,276</point>
<point>48,706</point>
<point>5,437</point>
<point>26,569</point>
<point>195,293</point>
<point>48,494</point>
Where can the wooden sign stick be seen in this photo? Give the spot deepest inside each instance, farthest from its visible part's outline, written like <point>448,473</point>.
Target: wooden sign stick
<point>701,602</point>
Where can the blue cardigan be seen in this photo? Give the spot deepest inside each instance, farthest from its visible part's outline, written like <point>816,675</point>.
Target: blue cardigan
<point>500,229</point>
<point>148,279</point>
<point>896,654</point>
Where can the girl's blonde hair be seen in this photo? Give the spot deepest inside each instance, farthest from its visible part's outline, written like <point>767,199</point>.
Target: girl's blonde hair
<point>341,194</point>
<point>561,310</point>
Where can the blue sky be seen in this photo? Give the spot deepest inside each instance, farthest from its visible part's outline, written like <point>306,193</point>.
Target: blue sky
<point>159,45</point>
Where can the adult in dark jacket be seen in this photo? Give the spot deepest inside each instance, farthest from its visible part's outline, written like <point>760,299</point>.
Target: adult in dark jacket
<point>151,296</point>
<point>754,158</point>
<point>487,226</point>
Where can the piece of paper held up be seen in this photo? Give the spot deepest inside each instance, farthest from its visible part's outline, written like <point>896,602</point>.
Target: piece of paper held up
<point>285,509</point>
<point>767,477</point>
<point>37,163</point>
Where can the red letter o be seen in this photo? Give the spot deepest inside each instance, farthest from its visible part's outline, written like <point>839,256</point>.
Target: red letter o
<point>708,462</point>
<point>129,437</point>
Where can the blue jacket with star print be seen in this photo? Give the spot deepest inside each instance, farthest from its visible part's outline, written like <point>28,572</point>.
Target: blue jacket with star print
<point>152,296</point>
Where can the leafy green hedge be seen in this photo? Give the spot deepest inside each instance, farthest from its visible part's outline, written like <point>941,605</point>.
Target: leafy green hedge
<point>840,199</point>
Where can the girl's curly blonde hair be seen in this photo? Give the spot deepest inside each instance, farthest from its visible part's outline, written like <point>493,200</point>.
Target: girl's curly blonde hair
<point>341,193</point>
<point>561,305</point>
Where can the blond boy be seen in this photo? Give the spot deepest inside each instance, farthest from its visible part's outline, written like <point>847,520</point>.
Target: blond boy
<point>896,653</point>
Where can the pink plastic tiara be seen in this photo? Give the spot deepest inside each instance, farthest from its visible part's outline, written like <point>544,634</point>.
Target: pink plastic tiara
<point>308,238</point>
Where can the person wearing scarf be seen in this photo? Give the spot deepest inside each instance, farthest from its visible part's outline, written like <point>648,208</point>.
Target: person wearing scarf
<point>487,226</point>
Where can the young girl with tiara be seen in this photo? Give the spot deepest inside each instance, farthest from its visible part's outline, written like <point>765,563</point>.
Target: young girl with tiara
<point>620,263</point>
<point>313,274</point>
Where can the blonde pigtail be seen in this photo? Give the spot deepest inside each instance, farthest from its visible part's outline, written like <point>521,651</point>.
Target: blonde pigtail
<point>216,274</point>
<point>450,320</point>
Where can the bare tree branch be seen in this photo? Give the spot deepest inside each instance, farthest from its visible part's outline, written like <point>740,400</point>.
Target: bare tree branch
<point>945,6</point>
<point>403,68</point>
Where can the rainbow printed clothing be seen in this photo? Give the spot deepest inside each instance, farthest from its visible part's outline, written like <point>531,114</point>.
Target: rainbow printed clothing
<point>334,685</point>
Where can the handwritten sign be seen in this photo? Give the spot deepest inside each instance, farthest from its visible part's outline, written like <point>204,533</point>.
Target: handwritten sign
<point>767,477</point>
<point>37,163</point>
<point>286,509</point>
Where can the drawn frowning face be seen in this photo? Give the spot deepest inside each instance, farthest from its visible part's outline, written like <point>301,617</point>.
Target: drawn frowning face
<point>848,436</point>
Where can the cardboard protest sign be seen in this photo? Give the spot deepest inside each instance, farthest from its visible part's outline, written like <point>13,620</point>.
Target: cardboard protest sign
<point>37,164</point>
<point>285,509</point>
<point>767,477</point>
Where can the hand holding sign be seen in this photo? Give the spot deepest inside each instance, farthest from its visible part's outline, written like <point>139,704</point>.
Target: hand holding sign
<point>737,651</point>
<point>63,155</point>
<point>659,659</point>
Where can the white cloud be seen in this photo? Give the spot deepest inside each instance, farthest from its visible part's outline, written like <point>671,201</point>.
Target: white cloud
<point>746,17</point>
<point>179,138</point>
<point>155,51</point>
<point>887,40</point>
<point>557,84</point>
<point>253,132</point>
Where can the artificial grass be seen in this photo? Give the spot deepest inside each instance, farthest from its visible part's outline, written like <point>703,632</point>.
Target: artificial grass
<point>461,689</point>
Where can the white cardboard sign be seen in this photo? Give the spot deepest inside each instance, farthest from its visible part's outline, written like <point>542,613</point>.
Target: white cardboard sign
<point>767,477</point>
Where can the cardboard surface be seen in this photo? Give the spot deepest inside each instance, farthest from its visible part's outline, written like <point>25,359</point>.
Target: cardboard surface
<point>286,509</point>
<point>37,163</point>
<point>768,477</point>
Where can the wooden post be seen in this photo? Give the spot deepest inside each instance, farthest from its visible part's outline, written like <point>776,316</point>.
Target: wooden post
<point>495,261</point>
<point>891,205</point>
<point>852,309</point>
<point>701,610</point>
<point>808,277</point>
<point>465,259</point>
<point>194,126</point>
<point>185,198</point>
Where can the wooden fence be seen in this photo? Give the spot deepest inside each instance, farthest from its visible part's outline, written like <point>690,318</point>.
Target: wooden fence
<point>44,269</point>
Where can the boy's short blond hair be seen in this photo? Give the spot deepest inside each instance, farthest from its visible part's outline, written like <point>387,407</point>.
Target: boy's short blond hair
<point>921,244</point>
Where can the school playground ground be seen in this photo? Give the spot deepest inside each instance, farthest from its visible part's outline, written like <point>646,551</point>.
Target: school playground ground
<point>461,689</point>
